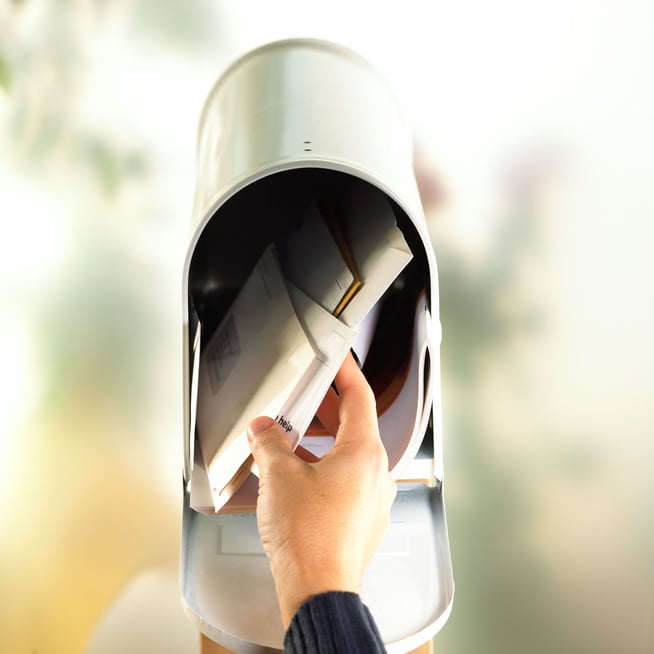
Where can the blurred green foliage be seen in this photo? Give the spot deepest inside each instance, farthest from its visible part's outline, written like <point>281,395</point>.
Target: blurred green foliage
<point>109,165</point>
<point>5,75</point>
<point>97,323</point>
<point>507,598</point>
<point>173,23</point>
<point>99,333</point>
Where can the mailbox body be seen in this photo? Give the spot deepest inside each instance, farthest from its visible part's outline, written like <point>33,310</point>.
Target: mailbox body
<point>286,122</point>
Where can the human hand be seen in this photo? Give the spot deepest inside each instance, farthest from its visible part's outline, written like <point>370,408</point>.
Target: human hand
<point>320,523</point>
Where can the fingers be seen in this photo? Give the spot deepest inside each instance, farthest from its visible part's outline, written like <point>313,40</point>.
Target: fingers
<point>268,442</point>
<point>350,381</point>
<point>357,408</point>
<point>350,416</point>
<point>328,411</point>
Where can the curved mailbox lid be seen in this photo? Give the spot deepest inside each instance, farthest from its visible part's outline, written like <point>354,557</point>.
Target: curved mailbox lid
<point>228,589</point>
<point>229,594</point>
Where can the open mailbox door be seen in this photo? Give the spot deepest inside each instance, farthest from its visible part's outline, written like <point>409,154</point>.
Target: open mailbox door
<point>287,125</point>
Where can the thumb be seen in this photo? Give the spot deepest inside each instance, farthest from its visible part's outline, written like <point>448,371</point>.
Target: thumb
<point>268,442</point>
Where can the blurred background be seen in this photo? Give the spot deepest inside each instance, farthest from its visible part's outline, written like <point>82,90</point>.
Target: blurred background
<point>534,132</point>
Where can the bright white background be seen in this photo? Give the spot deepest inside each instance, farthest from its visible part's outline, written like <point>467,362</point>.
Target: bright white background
<point>534,139</point>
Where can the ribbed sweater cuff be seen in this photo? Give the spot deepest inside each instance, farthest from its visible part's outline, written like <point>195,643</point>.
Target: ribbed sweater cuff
<point>333,622</point>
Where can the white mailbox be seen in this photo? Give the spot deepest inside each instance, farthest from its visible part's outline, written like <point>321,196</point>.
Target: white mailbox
<point>287,123</point>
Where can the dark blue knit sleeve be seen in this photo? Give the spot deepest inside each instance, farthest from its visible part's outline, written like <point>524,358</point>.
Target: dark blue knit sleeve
<point>333,623</point>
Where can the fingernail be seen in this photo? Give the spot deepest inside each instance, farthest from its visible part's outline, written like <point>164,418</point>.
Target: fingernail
<point>258,426</point>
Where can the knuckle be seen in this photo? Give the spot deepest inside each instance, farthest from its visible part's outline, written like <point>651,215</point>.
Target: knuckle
<point>373,453</point>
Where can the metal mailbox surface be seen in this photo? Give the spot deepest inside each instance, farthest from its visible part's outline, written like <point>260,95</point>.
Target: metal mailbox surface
<point>284,118</point>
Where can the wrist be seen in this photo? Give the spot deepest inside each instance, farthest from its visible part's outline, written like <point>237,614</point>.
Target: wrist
<point>295,588</point>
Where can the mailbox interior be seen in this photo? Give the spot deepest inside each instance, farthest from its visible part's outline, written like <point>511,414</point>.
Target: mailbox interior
<point>247,222</point>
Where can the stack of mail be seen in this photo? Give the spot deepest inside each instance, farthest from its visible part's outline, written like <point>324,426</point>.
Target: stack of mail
<point>281,342</point>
